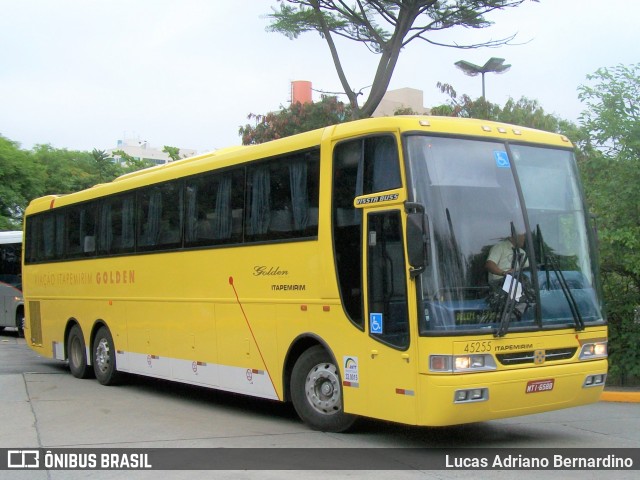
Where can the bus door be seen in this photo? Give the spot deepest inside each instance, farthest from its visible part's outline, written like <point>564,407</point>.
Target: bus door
<point>390,360</point>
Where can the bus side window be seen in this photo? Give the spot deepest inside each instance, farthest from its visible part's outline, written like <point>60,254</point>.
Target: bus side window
<point>282,197</point>
<point>347,222</point>
<point>160,215</point>
<point>81,230</point>
<point>214,208</point>
<point>381,165</point>
<point>46,238</point>
<point>116,233</point>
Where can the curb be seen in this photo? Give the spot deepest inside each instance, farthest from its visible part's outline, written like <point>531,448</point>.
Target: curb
<point>620,396</point>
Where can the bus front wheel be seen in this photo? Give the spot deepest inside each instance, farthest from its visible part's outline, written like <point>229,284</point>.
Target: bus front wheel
<point>316,392</point>
<point>104,358</point>
<point>77,353</point>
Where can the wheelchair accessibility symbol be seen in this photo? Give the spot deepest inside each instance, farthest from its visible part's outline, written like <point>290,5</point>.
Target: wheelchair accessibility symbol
<point>502,159</point>
<point>375,323</point>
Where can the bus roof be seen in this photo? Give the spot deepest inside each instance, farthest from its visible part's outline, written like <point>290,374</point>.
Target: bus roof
<point>239,154</point>
<point>11,237</point>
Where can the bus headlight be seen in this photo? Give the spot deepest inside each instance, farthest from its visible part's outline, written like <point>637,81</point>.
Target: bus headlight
<point>461,363</point>
<point>593,350</point>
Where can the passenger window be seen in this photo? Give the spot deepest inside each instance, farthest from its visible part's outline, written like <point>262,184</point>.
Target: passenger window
<point>117,234</point>
<point>81,230</point>
<point>160,216</point>
<point>215,208</point>
<point>45,240</point>
<point>282,198</point>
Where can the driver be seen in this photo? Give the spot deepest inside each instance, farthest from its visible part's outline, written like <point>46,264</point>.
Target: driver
<point>500,261</point>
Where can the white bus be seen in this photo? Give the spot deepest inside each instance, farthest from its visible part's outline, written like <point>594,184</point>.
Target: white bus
<point>11,301</point>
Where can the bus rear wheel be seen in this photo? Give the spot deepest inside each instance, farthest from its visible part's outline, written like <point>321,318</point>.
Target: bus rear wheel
<point>316,392</point>
<point>20,321</point>
<point>104,358</point>
<point>77,353</point>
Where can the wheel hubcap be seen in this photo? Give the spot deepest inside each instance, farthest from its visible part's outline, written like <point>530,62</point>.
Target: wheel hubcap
<point>103,355</point>
<point>322,389</point>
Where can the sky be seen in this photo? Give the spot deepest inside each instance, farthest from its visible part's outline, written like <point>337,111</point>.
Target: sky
<point>83,74</point>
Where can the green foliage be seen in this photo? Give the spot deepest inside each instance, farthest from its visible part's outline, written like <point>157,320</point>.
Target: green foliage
<point>21,180</point>
<point>613,110</point>
<point>385,27</point>
<point>44,170</point>
<point>129,163</point>
<point>523,112</point>
<point>296,118</point>
<point>405,111</point>
<point>622,302</point>
<point>464,106</point>
<point>69,170</point>
<point>611,174</point>
<point>173,152</point>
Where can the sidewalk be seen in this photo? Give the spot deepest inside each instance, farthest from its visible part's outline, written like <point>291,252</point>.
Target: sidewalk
<point>621,394</point>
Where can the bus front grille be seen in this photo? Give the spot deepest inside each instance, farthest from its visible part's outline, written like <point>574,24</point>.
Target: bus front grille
<point>536,356</point>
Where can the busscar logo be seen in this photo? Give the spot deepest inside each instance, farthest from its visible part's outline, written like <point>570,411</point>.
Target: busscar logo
<point>23,459</point>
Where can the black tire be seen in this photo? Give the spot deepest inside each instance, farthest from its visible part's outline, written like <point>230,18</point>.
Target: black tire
<point>77,354</point>
<point>20,322</point>
<point>104,358</point>
<point>316,392</point>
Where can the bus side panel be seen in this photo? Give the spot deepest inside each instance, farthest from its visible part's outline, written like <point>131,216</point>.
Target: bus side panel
<point>247,335</point>
<point>150,333</point>
<point>194,344</point>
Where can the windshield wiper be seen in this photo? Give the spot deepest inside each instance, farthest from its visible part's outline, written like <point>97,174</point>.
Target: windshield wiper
<point>550,260</point>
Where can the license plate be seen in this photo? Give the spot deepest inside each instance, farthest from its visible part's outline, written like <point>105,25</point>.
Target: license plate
<point>535,386</point>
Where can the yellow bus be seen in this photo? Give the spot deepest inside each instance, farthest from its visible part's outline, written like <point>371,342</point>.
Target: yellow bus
<point>343,269</point>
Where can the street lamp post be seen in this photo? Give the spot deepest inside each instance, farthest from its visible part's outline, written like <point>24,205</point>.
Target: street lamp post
<point>493,65</point>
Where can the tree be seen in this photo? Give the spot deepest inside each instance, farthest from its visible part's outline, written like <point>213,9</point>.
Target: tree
<point>173,152</point>
<point>385,27</point>
<point>65,170</point>
<point>296,118</point>
<point>612,175</point>
<point>107,170</point>
<point>464,106</point>
<point>21,179</point>
<point>524,112</point>
<point>130,163</point>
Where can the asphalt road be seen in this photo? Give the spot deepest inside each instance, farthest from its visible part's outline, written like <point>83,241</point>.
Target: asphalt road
<point>43,406</point>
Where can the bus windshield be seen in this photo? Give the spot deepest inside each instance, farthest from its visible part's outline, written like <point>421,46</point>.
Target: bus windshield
<point>519,207</point>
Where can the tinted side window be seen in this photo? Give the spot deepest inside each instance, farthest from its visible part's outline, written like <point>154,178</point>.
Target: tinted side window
<point>347,223</point>
<point>381,165</point>
<point>215,205</point>
<point>81,230</point>
<point>160,215</point>
<point>45,237</point>
<point>10,259</point>
<point>282,198</point>
<point>117,232</point>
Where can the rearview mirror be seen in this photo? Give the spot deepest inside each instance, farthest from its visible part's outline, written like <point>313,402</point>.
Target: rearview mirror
<point>417,236</point>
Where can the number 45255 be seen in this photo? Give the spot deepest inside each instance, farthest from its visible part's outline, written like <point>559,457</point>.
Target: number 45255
<point>478,347</point>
